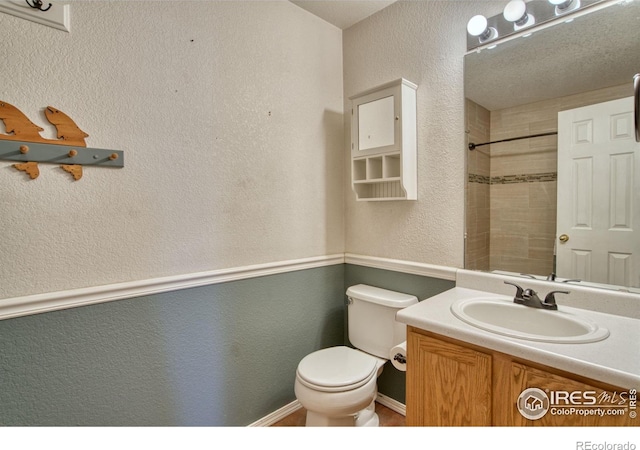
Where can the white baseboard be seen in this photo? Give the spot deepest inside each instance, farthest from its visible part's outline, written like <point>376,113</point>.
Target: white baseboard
<point>392,404</point>
<point>277,415</point>
<point>295,405</point>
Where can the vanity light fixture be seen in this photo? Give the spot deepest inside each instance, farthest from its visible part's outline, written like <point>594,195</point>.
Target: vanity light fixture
<point>520,19</point>
<point>479,27</point>
<point>516,12</point>
<point>565,6</point>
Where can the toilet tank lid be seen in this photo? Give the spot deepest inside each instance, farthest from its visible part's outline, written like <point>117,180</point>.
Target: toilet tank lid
<point>381,296</point>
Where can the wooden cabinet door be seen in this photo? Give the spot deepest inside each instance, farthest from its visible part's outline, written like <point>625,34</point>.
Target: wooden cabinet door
<point>570,402</point>
<point>447,385</point>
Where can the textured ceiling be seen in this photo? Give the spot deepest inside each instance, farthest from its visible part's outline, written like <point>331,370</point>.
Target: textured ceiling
<point>595,51</point>
<point>342,13</point>
<point>603,48</point>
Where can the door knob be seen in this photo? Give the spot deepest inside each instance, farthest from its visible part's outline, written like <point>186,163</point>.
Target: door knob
<point>563,238</point>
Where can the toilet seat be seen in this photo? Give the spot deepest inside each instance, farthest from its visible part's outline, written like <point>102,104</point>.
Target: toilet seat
<point>336,369</point>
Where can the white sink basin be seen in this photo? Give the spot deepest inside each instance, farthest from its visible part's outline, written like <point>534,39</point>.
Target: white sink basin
<point>523,322</point>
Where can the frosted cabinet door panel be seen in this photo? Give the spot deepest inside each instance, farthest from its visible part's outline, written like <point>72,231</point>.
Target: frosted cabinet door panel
<point>376,126</point>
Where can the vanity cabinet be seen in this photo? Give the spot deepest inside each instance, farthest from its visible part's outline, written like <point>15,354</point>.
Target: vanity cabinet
<point>453,383</point>
<point>447,384</point>
<point>384,142</point>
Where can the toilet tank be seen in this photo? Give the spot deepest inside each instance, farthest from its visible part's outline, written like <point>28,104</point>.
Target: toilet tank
<point>372,318</point>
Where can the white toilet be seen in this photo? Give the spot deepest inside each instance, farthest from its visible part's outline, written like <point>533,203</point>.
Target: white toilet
<point>337,385</point>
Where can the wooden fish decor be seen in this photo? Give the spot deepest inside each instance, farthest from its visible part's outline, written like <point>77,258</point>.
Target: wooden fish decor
<point>67,129</point>
<point>20,128</point>
<point>73,169</point>
<point>30,168</point>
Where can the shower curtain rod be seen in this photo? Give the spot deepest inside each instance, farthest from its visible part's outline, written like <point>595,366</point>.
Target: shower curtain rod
<point>473,146</point>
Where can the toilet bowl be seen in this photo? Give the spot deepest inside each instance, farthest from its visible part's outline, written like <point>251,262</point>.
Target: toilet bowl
<point>338,385</point>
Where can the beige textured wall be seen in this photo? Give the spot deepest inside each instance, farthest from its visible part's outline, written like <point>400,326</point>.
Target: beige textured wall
<point>230,115</point>
<point>424,42</point>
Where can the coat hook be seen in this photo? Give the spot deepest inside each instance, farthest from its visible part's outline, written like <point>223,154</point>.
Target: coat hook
<point>37,4</point>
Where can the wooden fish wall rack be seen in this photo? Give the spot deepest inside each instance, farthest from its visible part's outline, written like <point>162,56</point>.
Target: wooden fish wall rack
<point>25,145</point>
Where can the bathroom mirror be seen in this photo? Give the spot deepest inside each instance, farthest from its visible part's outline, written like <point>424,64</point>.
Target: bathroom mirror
<point>517,89</point>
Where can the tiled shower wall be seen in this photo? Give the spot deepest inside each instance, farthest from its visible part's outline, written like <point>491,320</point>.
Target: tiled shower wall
<point>477,120</point>
<point>521,183</point>
<point>523,189</point>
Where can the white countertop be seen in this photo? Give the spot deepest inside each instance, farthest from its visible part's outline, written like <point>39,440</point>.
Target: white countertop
<point>614,360</point>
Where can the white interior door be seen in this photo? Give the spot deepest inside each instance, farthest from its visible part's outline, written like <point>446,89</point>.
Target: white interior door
<point>598,222</point>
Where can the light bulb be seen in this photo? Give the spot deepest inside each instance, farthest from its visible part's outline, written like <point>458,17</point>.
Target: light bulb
<point>478,26</point>
<point>516,12</point>
<point>564,6</point>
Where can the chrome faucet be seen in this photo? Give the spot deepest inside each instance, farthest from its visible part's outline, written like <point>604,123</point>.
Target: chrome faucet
<point>529,297</point>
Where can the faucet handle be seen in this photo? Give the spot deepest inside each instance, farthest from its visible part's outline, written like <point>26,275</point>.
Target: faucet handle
<point>550,299</point>
<point>519,291</point>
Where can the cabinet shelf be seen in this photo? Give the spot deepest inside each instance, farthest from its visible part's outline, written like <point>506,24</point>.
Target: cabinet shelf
<point>383,143</point>
<point>377,180</point>
<point>380,190</point>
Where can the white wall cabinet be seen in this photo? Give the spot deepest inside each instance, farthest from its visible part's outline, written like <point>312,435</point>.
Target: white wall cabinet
<point>384,142</point>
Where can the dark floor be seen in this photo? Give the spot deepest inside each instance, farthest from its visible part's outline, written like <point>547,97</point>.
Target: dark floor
<point>388,418</point>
